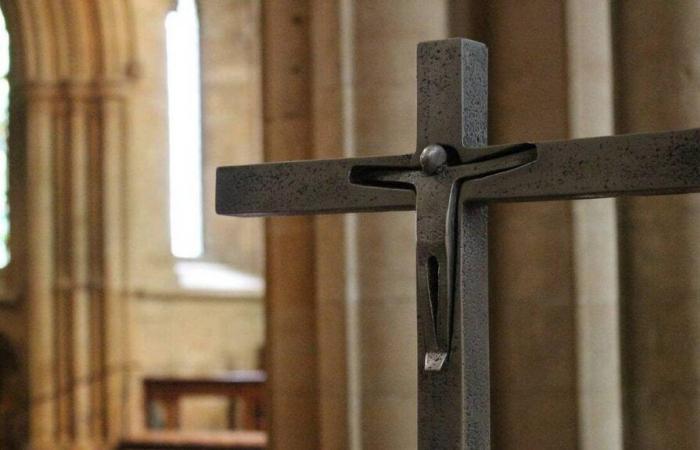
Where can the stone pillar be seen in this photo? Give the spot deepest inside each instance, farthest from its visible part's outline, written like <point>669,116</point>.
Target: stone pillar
<point>534,388</point>
<point>109,272</point>
<point>80,261</point>
<point>590,75</point>
<point>290,297</point>
<point>658,80</point>
<point>72,261</point>
<point>330,113</point>
<point>36,107</point>
<point>65,132</point>
<point>382,85</point>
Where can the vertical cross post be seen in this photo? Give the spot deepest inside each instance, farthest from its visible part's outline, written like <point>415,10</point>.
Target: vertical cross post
<point>454,403</point>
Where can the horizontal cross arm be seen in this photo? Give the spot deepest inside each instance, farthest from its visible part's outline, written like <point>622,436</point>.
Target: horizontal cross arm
<point>306,187</point>
<point>635,164</point>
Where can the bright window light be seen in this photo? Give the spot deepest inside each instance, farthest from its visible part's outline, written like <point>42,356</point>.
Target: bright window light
<point>185,122</point>
<point>207,276</point>
<point>4,121</point>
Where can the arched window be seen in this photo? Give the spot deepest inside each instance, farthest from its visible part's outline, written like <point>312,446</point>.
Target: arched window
<point>185,122</point>
<point>229,257</point>
<point>4,123</point>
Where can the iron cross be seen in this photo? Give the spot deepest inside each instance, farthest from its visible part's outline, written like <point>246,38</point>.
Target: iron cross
<point>449,180</point>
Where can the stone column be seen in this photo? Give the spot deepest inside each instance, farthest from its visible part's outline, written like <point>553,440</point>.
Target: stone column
<point>72,262</point>
<point>108,274</point>
<point>88,311</point>
<point>330,113</point>
<point>658,87</point>
<point>591,113</point>
<point>534,389</point>
<point>39,257</point>
<point>290,297</point>
<point>61,133</point>
<point>382,87</point>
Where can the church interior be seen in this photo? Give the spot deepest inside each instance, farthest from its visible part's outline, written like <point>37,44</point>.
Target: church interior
<point>132,316</point>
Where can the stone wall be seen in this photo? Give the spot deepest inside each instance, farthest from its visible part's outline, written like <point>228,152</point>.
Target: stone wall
<point>174,330</point>
<point>190,335</point>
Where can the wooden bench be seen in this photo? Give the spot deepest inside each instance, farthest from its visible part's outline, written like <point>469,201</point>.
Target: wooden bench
<point>244,385</point>
<point>196,440</point>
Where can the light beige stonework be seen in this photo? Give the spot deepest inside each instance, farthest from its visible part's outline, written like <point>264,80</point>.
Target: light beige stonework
<point>90,126</point>
<point>590,80</point>
<point>178,331</point>
<point>70,95</point>
<point>658,72</point>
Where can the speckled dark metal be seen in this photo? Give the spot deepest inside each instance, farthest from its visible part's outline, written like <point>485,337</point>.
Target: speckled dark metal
<point>611,166</point>
<point>453,403</point>
<point>305,187</point>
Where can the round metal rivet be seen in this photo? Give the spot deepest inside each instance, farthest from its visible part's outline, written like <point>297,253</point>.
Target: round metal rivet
<point>432,158</point>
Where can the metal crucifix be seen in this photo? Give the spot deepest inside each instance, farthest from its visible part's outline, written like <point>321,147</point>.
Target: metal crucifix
<point>449,180</point>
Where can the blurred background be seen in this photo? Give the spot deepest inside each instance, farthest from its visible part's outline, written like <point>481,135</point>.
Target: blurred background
<point>133,317</point>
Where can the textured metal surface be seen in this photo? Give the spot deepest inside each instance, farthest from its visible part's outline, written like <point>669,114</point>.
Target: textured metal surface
<point>305,187</point>
<point>450,192</point>
<point>635,164</point>
<point>454,403</point>
<point>436,184</point>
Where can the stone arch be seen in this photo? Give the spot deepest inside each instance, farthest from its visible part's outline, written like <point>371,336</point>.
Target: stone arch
<point>70,41</point>
<point>72,64</point>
